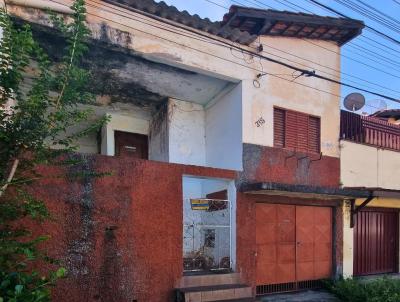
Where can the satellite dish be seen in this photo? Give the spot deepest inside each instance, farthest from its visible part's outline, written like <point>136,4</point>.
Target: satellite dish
<point>377,105</point>
<point>354,101</point>
<point>382,105</point>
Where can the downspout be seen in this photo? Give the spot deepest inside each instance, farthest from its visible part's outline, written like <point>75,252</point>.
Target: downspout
<point>42,4</point>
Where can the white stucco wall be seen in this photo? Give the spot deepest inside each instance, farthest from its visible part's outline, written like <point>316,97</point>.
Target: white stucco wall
<point>305,94</point>
<point>348,242</point>
<point>368,166</point>
<point>187,143</point>
<point>224,131</point>
<point>276,91</point>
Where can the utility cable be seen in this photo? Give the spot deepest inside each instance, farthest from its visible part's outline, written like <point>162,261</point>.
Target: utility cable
<point>303,71</point>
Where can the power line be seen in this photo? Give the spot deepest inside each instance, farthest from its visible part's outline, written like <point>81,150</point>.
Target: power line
<point>378,43</point>
<point>304,59</point>
<point>371,52</point>
<point>333,69</point>
<point>371,15</point>
<point>352,59</point>
<point>230,46</point>
<point>378,11</point>
<point>210,1</point>
<point>368,27</point>
<point>348,75</point>
<point>361,62</point>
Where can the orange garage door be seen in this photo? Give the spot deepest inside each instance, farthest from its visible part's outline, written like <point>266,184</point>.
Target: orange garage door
<point>294,243</point>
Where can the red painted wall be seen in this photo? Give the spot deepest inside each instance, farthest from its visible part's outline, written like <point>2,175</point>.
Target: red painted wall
<point>268,164</point>
<point>119,236</point>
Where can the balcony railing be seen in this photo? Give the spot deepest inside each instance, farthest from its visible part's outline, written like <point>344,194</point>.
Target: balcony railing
<point>369,130</point>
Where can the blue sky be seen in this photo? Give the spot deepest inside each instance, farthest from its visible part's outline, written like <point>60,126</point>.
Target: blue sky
<point>391,62</point>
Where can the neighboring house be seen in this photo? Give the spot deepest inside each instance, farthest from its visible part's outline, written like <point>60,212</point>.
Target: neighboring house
<point>225,161</point>
<point>370,158</point>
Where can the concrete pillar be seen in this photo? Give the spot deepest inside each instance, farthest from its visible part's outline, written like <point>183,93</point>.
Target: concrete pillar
<point>348,242</point>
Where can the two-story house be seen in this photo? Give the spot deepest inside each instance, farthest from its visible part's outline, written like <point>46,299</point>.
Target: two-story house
<point>369,160</point>
<point>224,154</point>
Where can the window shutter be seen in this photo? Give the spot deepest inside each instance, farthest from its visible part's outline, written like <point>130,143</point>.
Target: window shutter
<point>279,128</point>
<point>302,132</point>
<point>314,134</point>
<point>297,131</point>
<point>291,130</point>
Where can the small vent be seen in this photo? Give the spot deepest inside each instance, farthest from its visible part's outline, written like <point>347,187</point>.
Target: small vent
<point>287,287</point>
<point>275,288</point>
<point>309,284</point>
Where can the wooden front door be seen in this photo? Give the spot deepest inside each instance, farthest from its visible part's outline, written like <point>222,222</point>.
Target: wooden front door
<point>376,241</point>
<point>294,243</point>
<point>131,145</point>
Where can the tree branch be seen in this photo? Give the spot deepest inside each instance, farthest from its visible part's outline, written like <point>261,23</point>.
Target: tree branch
<point>10,176</point>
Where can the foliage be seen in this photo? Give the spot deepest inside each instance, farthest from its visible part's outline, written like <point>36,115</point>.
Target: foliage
<point>377,290</point>
<point>33,122</point>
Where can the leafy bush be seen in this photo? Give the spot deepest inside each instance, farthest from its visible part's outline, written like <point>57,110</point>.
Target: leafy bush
<point>32,123</point>
<point>356,290</point>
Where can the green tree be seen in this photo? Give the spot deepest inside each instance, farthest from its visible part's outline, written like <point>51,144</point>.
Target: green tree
<point>36,128</point>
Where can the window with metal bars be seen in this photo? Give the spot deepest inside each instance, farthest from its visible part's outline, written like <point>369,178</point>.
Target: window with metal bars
<point>297,131</point>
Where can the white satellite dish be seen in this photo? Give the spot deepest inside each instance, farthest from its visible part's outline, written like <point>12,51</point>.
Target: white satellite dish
<point>377,105</point>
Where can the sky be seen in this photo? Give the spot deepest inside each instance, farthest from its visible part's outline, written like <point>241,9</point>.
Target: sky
<point>368,49</point>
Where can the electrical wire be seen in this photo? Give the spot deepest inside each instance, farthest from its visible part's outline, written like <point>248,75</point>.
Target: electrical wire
<point>378,11</point>
<point>368,58</point>
<point>382,34</point>
<point>371,15</point>
<point>227,45</point>
<point>212,2</point>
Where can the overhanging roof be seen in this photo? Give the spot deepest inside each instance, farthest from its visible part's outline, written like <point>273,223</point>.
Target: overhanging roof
<point>271,188</point>
<point>169,12</point>
<point>290,24</point>
<point>377,191</point>
<point>244,24</point>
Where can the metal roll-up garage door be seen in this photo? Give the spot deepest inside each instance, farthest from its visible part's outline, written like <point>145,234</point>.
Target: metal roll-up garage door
<point>376,241</point>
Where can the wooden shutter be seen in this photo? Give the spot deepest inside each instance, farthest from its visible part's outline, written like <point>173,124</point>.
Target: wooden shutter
<point>291,130</point>
<point>279,127</point>
<point>302,132</point>
<point>296,130</point>
<point>314,134</point>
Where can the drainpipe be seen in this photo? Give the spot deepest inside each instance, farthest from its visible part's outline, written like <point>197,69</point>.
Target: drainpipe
<point>42,4</point>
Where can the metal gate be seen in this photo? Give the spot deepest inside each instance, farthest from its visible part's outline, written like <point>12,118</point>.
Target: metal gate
<point>376,241</point>
<point>294,247</point>
<point>206,235</point>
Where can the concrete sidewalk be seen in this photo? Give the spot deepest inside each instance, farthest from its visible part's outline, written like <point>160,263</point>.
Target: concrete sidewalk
<point>304,296</point>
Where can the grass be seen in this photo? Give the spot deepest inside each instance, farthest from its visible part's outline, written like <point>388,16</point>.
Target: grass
<point>377,290</point>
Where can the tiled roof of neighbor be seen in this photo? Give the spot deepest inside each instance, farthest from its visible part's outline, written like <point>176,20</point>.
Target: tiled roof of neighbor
<point>387,113</point>
<point>244,24</point>
<point>289,24</point>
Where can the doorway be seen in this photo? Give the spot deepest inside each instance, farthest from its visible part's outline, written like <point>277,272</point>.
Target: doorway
<point>376,241</point>
<point>131,145</point>
<point>207,221</point>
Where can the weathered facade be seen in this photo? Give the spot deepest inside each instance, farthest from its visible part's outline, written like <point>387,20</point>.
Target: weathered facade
<point>226,157</point>
<point>369,161</point>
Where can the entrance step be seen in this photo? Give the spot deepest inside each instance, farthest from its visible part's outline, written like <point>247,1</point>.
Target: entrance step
<point>213,293</point>
<point>207,280</point>
<point>238,300</point>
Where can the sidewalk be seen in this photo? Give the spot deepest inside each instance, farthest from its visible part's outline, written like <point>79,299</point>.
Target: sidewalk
<point>305,296</point>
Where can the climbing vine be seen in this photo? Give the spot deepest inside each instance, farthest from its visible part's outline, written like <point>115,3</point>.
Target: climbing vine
<point>37,127</point>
